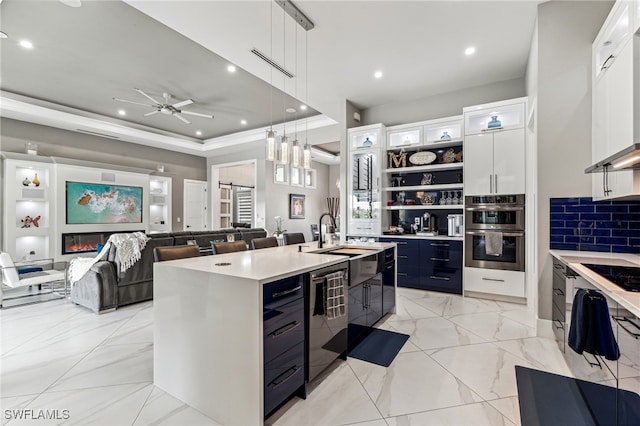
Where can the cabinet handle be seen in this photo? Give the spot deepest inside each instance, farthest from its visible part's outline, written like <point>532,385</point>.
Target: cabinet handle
<point>289,374</point>
<point>621,320</point>
<point>403,257</point>
<point>605,180</point>
<point>560,324</point>
<point>493,279</point>
<point>558,292</point>
<point>402,274</point>
<point>285,329</point>
<point>433,277</point>
<point>604,64</point>
<point>558,266</point>
<point>286,292</point>
<point>439,259</point>
<point>491,184</point>
<point>402,243</point>
<point>389,267</point>
<point>495,184</point>
<point>439,244</point>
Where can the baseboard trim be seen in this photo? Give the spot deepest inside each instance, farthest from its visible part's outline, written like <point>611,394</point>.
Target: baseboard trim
<point>497,297</point>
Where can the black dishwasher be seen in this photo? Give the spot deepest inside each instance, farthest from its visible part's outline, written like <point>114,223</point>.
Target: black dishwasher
<point>327,317</point>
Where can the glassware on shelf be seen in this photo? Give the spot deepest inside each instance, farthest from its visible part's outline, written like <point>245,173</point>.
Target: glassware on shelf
<point>367,142</point>
<point>494,123</point>
<point>461,198</point>
<point>455,199</point>
<point>443,198</point>
<point>400,197</point>
<point>445,136</point>
<point>398,181</point>
<point>449,198</point>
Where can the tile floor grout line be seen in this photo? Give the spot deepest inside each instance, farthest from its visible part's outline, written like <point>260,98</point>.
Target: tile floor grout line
<point>366,391</point>
<point>153,387</point>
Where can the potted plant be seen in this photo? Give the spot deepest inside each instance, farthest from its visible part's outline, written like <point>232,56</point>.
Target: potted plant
<point>279,231</point>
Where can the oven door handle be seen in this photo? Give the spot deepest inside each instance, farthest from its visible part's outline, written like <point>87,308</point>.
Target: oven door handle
<point>494,208</point>
<point>506,234</point>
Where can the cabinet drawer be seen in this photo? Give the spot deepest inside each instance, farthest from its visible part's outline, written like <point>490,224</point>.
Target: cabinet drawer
<point>283,328</point>
<point>559,327</point>
<point>282,292</point>
<point>408,276</point>
<point>282,377</point>
<point>444,279</point>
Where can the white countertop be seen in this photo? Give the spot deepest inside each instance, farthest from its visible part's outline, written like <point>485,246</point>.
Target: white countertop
<point>628,299</point>
<point>270,264</point>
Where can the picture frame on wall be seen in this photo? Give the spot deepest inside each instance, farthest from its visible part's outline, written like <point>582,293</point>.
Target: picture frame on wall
<point>310,178</point>
<point>296,206</point>
<point>296,176</point>
<point>280,174</point>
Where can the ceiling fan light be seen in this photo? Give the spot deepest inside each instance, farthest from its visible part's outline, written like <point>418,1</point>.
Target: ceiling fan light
<point>271,145</point>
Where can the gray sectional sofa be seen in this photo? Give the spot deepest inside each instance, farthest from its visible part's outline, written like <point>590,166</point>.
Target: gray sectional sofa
<point>104,287</point>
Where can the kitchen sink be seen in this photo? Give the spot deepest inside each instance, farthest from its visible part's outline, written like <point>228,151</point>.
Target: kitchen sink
<point>351,252</point>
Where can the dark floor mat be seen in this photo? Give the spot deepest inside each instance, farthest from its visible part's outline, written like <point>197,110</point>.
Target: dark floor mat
<point>379,347</point>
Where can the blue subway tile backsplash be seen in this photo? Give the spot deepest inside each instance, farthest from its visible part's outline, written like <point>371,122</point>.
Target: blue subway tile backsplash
<point>602,226</point>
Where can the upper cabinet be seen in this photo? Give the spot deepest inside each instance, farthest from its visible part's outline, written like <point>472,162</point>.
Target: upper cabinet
<point>404,135</point>
<point>494,148</point>
<point>615,113</point>
<point>366,137</point>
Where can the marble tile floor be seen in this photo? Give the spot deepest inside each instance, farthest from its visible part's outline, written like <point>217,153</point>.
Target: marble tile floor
<point>457,368</point>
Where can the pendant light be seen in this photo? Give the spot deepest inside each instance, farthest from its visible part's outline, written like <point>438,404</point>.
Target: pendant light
<point>306,152</point>
<point>271,135</point>
<point>295,146</point>
<point>283,154</point>
<point>295,153</point>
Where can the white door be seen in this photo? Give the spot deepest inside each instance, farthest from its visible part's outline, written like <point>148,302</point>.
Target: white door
<point>508,162</point>
<point>478,164</point>
<point>195,205</point>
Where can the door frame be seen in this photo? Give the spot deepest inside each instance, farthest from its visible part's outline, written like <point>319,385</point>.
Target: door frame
<point>214,194</point>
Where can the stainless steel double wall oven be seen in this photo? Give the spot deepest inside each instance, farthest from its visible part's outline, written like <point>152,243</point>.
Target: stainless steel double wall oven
<point>495,216</point>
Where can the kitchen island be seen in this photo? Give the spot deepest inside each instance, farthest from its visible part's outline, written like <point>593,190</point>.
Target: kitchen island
<point>208,326</point>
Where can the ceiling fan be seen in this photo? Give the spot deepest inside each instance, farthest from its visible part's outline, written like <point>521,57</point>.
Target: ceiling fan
<point>166,107</point>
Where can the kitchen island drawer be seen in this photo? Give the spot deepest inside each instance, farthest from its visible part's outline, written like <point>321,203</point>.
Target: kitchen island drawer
<point>283,328</point>
<point>282,377</point>
<point>283,291</point>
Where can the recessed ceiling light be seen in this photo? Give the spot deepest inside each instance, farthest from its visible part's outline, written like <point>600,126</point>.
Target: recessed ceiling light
<point>3,34</point>
<point>26,44</point>
<point>290,110</point>
<point>243,122</point>
<point>469,50</point>
<point>122,112</point>
<point>303,107</point>
<point>231,68</point>
<point>198,133</point>
<point>377,74</point>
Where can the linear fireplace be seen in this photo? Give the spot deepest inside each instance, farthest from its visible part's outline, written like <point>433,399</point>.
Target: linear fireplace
<point>83,242</point>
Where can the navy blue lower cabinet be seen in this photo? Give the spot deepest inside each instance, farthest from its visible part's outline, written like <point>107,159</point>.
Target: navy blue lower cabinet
<point>408,258</point>
<point>283,323</point>
<point>441,265</point>
<point>388,287</point>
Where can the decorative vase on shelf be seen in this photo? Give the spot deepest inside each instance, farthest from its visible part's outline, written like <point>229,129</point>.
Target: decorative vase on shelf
<point>367,142</point>
<point>494,123</point>
<point>445,137</point>
<point>427,178</point>
<point>26,182</point>
<point>36,181</point>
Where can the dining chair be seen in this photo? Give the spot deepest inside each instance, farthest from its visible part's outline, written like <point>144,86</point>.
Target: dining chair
<point>260,243</point>
<point>160,254</point>
<point>228,247</point>
<point>293,238</point>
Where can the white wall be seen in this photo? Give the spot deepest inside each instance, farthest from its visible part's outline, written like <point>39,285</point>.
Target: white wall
<point>442,105</point>
<point>566,30</point>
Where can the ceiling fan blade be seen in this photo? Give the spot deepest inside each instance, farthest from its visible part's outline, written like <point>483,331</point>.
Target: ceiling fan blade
<point>179,117</point>
<point>147,96</point>
<point>197,114</point>
<point>131,102</point>
<point>183,103</point>
<point>151,113</point>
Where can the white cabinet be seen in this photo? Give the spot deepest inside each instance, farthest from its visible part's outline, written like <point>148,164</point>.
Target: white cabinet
<point>403,136</point>
<point>494,148</point>
<point>28,222</point>
<point>495,163</point>
<point>160,204</point>
<point>364,194</point>
<point>615,113</point>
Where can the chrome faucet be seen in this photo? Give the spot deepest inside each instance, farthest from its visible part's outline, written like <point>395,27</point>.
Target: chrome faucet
<point>333,223</point>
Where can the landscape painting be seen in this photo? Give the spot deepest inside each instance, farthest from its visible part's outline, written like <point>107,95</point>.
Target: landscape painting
<point>89,203</point>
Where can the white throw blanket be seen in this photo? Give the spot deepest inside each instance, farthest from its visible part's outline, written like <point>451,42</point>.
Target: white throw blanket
<point>129,250</point>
